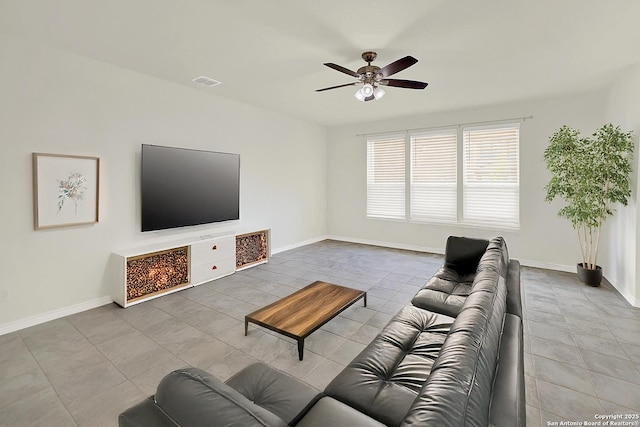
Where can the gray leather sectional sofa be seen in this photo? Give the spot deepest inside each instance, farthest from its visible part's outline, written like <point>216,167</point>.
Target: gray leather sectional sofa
<point>454,357</point>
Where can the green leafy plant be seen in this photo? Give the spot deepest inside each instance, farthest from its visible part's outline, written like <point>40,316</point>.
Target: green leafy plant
<point>590,174</point>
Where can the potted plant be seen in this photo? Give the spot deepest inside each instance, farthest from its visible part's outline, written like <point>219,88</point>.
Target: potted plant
<point>590,174</point>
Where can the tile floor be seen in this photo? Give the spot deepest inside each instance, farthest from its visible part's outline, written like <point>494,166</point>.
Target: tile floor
<point>582,344</point>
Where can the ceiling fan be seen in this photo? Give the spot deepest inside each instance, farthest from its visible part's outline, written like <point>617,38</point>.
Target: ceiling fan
<point>372,77</point>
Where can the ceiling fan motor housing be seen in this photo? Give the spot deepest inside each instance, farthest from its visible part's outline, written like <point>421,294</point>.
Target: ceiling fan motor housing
<point>370,73</point>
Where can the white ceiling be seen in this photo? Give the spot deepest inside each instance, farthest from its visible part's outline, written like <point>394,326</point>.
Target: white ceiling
<point>269,53</point>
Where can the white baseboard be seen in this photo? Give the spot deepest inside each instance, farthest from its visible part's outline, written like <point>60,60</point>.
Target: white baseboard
<point>572,269</point>
<point>547,265</point>
<point>299,244</point>
<point>87,305</point>
<point>630,299</point>
<point>53,315</point>
<point>440,251</point>
<point>387,244</point>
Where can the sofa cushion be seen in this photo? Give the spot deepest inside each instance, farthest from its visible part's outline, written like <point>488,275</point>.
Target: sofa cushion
<point>192,397</point>
<point>444,293</point>
<point>458,390</point>
<point>384,379</point>
<point>448,289</point>
<point>330,412</point>
<point>275,391</point>
<point>462,254</point>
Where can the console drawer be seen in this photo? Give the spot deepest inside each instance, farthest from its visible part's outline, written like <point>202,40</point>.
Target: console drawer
<point>211,270</point>
<point>212,250</point>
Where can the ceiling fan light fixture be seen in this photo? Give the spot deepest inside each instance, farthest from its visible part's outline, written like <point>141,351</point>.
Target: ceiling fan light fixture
<point>378,92</point>
<point>367,90</point>
<point>359,96</point>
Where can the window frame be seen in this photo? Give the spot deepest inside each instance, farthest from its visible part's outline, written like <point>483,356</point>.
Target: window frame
<point>460,219</point>
<point>371,174</point>
<point>511,222</point>
<point>444,135</point>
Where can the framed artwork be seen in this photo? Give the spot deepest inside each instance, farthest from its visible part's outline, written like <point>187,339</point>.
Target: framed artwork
<point>65,190</point>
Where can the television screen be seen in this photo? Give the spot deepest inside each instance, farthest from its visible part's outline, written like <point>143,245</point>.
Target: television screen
<point>182,187</point>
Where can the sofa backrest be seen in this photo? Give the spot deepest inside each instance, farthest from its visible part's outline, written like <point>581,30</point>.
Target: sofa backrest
<point>462,254</point>
<point>495,256</point>
<point>459,389</point>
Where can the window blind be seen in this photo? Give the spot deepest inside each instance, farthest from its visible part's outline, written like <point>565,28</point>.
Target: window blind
<point>434,176</point>
<point>490,175</point>
<point>386,177</point>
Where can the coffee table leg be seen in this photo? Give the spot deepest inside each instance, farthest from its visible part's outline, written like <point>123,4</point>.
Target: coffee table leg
<point>300,348</point>
<point>365,299</point>
<point>246,326</point>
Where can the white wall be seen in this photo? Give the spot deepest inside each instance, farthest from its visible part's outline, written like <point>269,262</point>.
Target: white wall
<point>620,255</point>
<point>543,240</point>
<point>55,102</point>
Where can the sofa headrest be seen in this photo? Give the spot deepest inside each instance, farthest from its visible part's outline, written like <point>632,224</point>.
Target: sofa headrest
<point>463,254</point>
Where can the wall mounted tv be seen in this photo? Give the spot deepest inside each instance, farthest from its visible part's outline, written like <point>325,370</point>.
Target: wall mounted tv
<point>182,187</point>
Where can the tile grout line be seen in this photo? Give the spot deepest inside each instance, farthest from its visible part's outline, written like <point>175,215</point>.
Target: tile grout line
<point>66,408</point>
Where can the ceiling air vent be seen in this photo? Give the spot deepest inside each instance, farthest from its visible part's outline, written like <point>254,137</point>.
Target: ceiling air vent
<point>206,81</point>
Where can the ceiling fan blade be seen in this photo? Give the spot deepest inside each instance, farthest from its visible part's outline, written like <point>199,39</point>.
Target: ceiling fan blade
<point>408,84</point>
<point>398,66</point>
<point>336,87</point>
<point>342,69</point>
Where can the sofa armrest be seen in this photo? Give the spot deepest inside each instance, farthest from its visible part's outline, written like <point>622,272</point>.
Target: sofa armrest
<point>192,397</point>
<point>275,391</point>
<point>508,395</point>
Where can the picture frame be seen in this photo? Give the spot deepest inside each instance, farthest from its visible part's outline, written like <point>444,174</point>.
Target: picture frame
<point>65,190</point>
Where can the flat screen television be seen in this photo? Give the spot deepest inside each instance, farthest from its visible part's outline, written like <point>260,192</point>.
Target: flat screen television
<point>182,187</point>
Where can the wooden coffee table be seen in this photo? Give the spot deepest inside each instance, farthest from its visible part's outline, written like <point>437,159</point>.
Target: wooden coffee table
<point>301,313</point>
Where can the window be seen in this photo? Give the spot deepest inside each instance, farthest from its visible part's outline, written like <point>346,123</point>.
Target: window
<point>434,176</point>
<point>386,177</point>
<point>467,175</point>
<point>491,180</point>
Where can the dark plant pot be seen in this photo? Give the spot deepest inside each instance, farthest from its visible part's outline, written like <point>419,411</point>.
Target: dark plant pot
<point>588,276</point>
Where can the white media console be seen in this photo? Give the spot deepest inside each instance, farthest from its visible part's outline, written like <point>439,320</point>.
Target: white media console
<point>160,269</point>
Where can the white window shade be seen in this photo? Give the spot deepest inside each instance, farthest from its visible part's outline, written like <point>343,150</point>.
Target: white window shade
<point>491,178</point>
<point>386,177</point>
<point>434,176</point>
